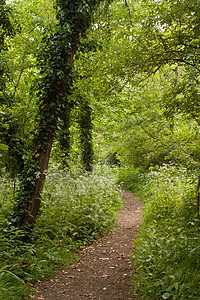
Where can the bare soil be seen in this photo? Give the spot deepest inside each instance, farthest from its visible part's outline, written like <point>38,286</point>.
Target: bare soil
<point>104,269</point>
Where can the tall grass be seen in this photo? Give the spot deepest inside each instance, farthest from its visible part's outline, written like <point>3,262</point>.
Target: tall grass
<point>76,209</point>
<point>167,250</point>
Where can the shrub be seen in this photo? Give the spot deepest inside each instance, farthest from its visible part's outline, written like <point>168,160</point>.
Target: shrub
<point>76,208</point>
<point>167,248</point>
<point>130,178</point>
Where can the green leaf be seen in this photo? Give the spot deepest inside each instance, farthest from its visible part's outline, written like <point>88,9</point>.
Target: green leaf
<point>3,147</point>
<point>166,295</point>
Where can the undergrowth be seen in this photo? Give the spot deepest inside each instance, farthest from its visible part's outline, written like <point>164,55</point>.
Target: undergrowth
<point>76,209</point>
<point>130,178</point>
<point>166,257</point>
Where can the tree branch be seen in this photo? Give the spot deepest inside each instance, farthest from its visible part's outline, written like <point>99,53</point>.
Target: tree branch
<point>21,71</point>
<point>129,12</point>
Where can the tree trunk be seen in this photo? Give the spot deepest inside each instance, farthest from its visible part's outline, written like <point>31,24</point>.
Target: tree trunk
<point>85,123</point>
<point>31,207</point>
<point>55,60</point>
<point>64,137</point>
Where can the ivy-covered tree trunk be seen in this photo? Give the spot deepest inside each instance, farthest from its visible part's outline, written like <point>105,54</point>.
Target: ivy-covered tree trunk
<point>56,60</point>
<point>64,137</point>
<point>85,123</point>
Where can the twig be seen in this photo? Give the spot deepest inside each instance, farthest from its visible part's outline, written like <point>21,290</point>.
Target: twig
<point>129,12</point>
<point>21,71</point>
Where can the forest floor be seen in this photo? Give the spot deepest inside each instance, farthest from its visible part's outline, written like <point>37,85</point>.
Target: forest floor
<point>104,268</point>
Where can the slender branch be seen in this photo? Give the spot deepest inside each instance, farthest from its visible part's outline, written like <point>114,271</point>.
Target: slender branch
<point>21,71</point>
<point>129,12</point>
<point>149,133</point>
<point>23,60</point>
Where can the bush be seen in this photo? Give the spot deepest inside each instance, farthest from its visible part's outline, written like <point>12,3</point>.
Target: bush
<point>6,195</point>
<point>167,248</point>
<point>130,178</point>
<point>76,209</point>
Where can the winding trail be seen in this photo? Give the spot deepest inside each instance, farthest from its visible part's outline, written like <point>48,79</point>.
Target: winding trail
<point>104,270</point>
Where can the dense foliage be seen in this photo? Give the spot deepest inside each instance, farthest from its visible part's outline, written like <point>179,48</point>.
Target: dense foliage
<point>76,209</point>
<point>109,82</point>
<point>166,258</point>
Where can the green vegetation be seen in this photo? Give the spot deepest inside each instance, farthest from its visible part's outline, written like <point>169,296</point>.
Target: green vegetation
<point>76,209</point>
<point>89,83</point>
<point>166,256</point>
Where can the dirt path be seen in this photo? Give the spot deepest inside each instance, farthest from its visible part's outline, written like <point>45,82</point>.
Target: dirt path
<point>104,270</point>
